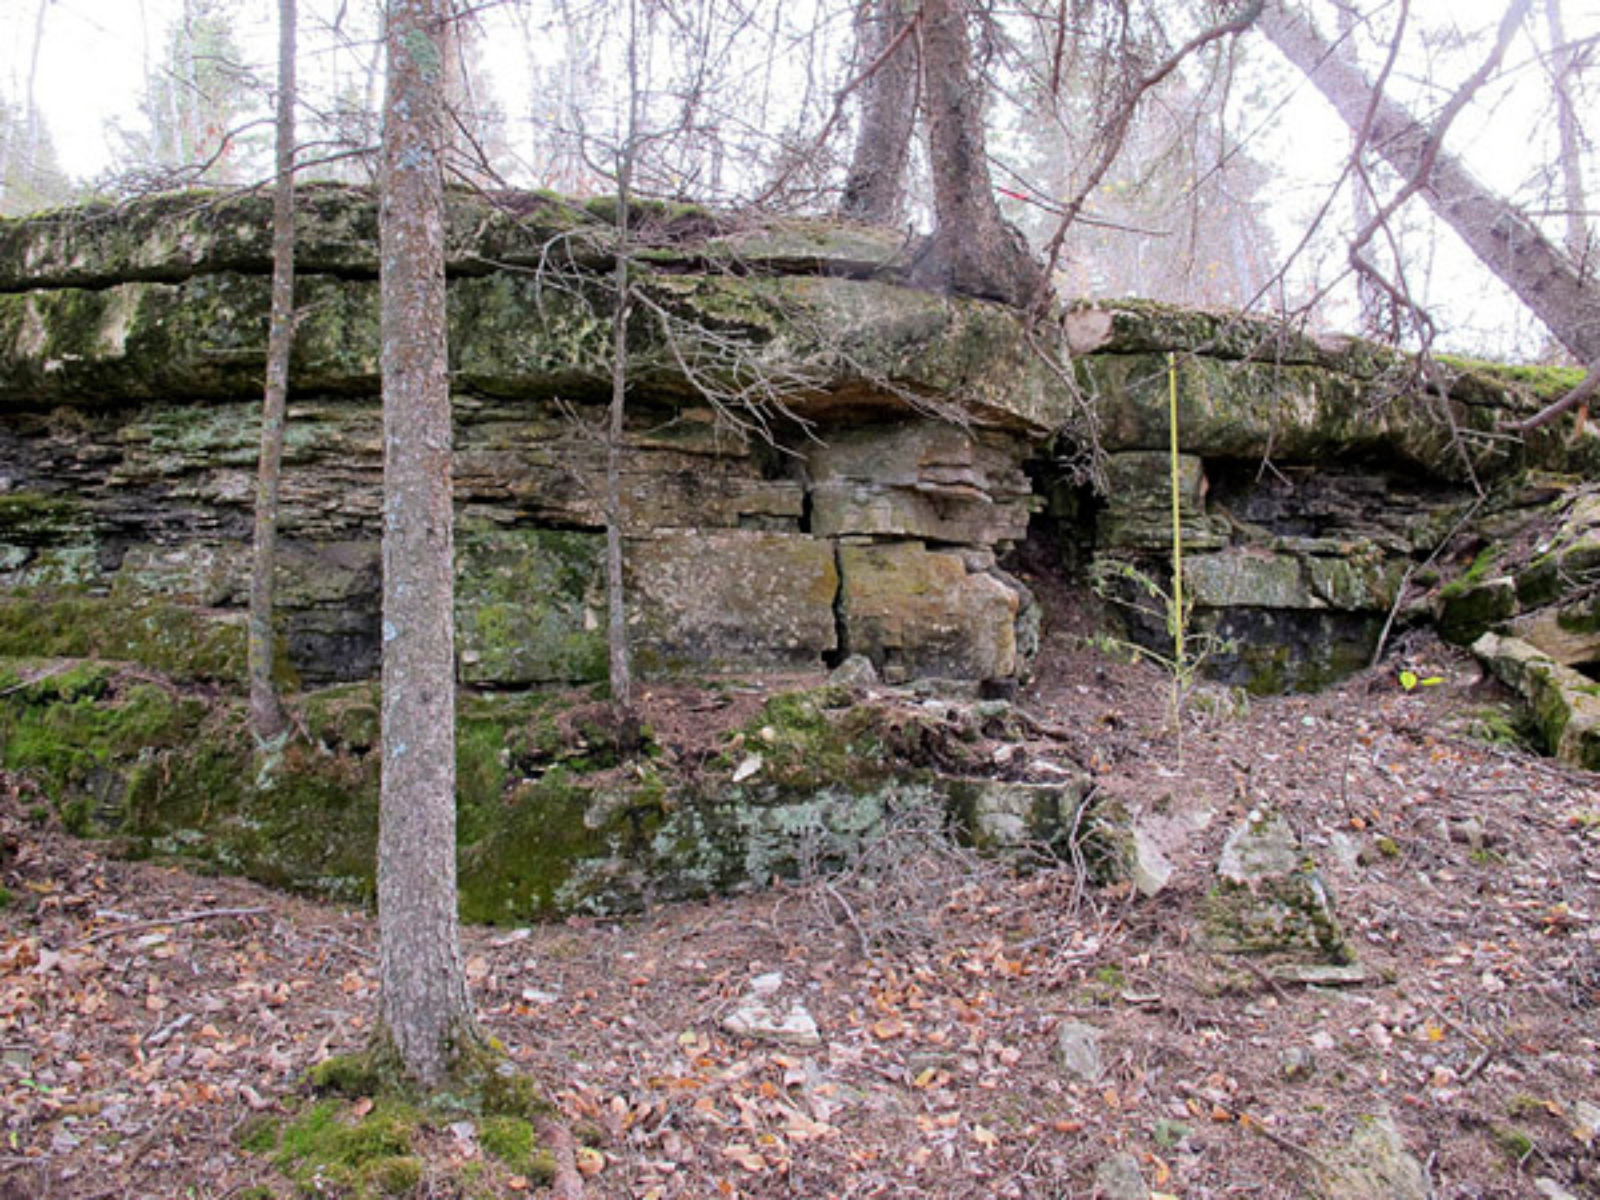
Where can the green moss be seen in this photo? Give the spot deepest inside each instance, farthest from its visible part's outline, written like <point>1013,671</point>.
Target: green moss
<point>351,1075</point>
<point>1545,383</point>
<point>818,739</point>
<point>170,638</point>
<point>1581,618</point>
<point>369,1148</point>
<point>519,852</point>
<point>527,605</point>
<point>1512,1142</point>
<point>365,1155</point>
<point>74,734</point>
<point>396,1176</point>
<point>347,716</point>
<point>513,1094</point>
<point>1465,613</point>
<point>1500,725</point>
<point>1481,565</point>
<point>514,1142</point>
<point>260,1134</point>
<point>35,519</point>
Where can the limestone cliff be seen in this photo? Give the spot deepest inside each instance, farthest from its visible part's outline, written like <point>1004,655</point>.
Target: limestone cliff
<point>819,459</point>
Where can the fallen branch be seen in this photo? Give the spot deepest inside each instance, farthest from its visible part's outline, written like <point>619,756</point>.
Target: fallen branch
<point>1580,395</point>
<point>211,914</point>
<point>557,1138</point>
<point>40,678</point>
<point>1245,1121</point>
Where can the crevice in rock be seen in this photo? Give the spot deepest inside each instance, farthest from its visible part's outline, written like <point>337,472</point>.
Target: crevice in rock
<point>841,626</point>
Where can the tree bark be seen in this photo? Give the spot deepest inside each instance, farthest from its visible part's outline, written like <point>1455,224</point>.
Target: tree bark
<point>267,718</point>
<point>1504,240</point>
<point>1368,297</point>
<point>973,250</point>
<point>424,1009</point>
<point>874,190</point>
<point>619,660</point>
<point>1563,69</point>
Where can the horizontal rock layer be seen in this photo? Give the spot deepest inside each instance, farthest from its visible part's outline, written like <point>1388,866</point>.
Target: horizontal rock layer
<point>818,460</point>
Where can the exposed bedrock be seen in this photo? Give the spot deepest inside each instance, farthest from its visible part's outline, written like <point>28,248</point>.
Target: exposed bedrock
<point>818,461</point>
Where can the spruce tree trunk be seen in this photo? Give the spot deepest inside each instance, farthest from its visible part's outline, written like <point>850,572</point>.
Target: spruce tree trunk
<point>424,1009</point>
<point>973,250</point>
<point>1504,240</point>
<point>267,718</point>
<point>874,190</point>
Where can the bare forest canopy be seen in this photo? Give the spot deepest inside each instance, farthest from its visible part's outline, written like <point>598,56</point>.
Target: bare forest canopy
<point>1165,151</point>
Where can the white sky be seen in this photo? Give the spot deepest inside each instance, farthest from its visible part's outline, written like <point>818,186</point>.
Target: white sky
<point>97,54</point>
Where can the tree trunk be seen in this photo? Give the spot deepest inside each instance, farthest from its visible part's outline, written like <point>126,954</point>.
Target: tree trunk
<point>619,659</point>
<point>267,718</point>
<point>1504,240</point>
<point>35,127</point>
<point>973,251</point>
<point>1563,68</point>
<point>1368,296</point>
<point>424,1010</point>
<point>875,188</point>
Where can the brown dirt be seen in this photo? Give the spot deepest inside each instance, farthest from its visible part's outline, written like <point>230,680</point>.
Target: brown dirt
<point>133,1047</point>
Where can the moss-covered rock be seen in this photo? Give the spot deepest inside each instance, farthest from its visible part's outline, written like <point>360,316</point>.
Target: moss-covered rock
<point>558,811</point>
<point>530,607</point>
<point>1261,410</point>
<point>1565,705</point>
<point>1269,899</point>
<point>183,642</point>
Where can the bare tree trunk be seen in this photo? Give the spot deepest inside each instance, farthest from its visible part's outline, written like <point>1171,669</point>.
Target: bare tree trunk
<point>424,1009</point>
<point>973,250</point>
<point>1563,68</point>
<point>874,190</point>
<point>1368,296</point>
<point>35,127</point>
<point>1504,240</point>
<point>619,659</point>
<point>267,718</point>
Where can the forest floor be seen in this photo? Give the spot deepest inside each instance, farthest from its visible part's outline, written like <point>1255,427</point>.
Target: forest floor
<point>149,1016</point>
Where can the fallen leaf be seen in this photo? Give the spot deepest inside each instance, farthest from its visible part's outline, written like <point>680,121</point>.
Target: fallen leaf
<point>888,1029</point>
<point>745,1156</point>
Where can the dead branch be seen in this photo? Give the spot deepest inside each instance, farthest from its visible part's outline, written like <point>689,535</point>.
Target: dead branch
<point>1115,129</point>
<point>1578,396</point>
<point>837,115</point>
<point>210,914</point>
<point>557,1138</point>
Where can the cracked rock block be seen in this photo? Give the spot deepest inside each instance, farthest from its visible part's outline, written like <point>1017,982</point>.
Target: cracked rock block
<point>918,612</point>
<point>1269,899</point>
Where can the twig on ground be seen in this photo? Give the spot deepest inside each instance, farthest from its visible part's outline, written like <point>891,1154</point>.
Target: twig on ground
<point>211,914</point>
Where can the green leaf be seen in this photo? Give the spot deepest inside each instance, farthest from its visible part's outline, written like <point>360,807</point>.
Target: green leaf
<point>1408,680</point>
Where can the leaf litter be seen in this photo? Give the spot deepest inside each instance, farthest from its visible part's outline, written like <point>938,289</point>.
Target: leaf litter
<point>147,1014</point>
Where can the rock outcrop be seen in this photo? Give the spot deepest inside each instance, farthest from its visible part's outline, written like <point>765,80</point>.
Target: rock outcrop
<point>819,461</point>
<point>821,465</point>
